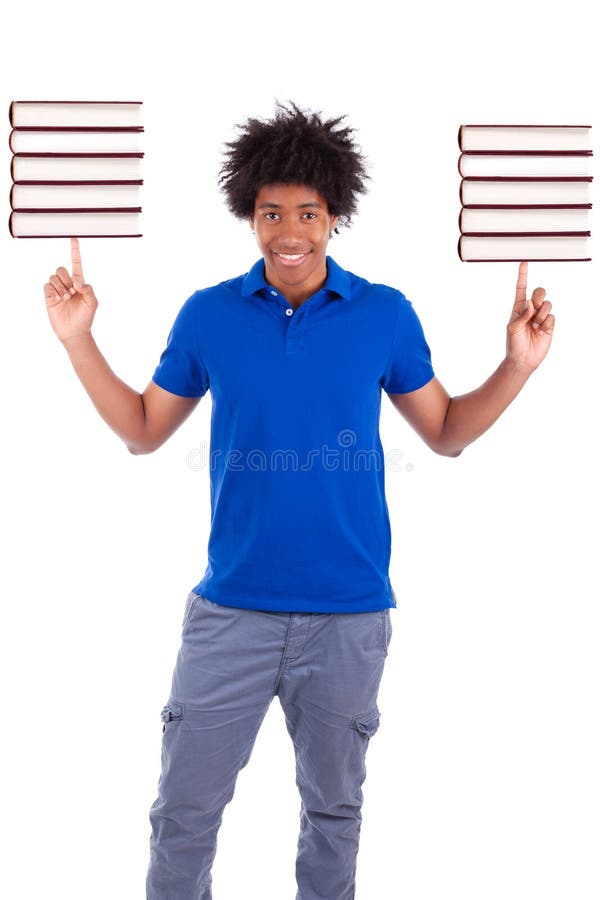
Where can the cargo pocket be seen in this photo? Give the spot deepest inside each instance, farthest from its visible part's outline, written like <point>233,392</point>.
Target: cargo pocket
<point>367,723</point>
<point>172,712</point>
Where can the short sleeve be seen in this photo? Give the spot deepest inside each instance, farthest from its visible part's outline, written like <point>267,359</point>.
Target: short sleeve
<point>409,365</point>
<point>180,369</point>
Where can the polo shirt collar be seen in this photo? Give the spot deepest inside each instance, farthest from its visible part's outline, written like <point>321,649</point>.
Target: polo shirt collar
<point>337,281</point>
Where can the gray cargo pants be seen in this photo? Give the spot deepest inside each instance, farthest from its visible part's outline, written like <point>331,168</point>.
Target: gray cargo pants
<point>326,670</point>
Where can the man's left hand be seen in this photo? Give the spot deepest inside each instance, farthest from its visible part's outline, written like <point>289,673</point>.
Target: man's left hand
<point>529,331</point>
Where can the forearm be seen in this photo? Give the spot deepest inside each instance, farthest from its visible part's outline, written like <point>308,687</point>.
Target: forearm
<point>121,407</point>
<point>470,415</point>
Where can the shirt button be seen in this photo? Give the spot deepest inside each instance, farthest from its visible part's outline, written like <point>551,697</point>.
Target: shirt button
<point>289,312</point>
<point>273,293</point>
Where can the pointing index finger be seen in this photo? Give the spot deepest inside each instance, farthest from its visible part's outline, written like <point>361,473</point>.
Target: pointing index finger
<point>521,292</point>
<point>77,272</point>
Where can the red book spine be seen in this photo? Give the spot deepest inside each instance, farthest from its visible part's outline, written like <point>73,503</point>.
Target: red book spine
<point>527,206</point>
<point>516,152</point>
<point>45,236</point>
<point>81,155</point>
<point>519,234</point>
<point>114,180</point>
<point>78,128</point>
<point>75,209</point>
<point>524,177</point>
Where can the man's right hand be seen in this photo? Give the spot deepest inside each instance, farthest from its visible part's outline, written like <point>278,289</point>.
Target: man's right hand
<point>71,303</point>
<point>142,421</point>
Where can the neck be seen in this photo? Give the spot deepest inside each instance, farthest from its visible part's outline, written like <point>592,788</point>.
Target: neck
<point>296,294</point>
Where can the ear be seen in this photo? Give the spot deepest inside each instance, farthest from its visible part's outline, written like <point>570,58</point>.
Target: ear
<point>251,223</point>
<point>334,221</point>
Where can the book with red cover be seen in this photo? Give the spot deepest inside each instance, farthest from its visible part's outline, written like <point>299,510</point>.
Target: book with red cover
<point>524,219</point>
<point>56,114</point>
<point>487,192</point>
<point>519,247</point>
<point>524,138</point>
<point>76,168</point>
<point>63,195</point>
<point>524,165</point>
<point>74,140</point>
<point>44,223</point>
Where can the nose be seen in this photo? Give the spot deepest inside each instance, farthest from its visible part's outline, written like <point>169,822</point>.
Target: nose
<point>290,235</point>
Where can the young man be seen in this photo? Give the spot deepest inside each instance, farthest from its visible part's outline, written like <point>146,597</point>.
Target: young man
<point>295,600</point>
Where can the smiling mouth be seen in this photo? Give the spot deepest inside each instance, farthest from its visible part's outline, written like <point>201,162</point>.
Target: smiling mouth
<point>291,259</point>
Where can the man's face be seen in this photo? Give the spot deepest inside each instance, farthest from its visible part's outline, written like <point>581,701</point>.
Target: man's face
<point>292,226</point>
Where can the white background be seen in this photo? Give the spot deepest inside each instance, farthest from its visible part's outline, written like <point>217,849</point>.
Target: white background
<point>483,778</point>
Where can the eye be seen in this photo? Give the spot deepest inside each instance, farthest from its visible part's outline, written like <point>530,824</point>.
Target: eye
<point>310,215</point>
<point>273,214</point>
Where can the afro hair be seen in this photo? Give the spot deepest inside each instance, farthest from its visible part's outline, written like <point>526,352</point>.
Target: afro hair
<point>294,147</point>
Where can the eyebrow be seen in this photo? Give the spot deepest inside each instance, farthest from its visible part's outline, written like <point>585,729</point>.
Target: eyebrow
<point>313,204</point>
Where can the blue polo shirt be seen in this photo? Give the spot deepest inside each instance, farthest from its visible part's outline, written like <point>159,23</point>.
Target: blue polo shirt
<point>299,519</point>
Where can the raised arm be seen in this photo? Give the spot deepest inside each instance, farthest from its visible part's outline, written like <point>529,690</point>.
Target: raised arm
<point>448,424</point>
<point>142,421</point>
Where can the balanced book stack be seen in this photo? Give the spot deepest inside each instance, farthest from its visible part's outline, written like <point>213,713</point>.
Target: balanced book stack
<point>525,192</point>
<point>75,168</point>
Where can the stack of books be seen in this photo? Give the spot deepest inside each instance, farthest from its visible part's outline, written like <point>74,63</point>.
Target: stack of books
<point>524,192</point>
<point>75,168</point>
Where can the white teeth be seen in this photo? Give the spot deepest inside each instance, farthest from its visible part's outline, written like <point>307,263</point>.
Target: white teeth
<point>291,255</point>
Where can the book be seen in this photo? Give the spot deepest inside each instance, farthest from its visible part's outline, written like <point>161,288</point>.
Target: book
<point>524,165</point>
<point>75,113</point>
<point>522,138</point>
<point>105,223</point>
<point>59,196</point>
<point>514,248</point>
<point>524,192</point>
<point>72,141</point>
<point>536,191</point>
<point>523,219</point>
<point>76,168</point>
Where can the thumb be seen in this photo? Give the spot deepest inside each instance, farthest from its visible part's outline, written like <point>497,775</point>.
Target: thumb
<point>523,317</point>
<point>86,290</point>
